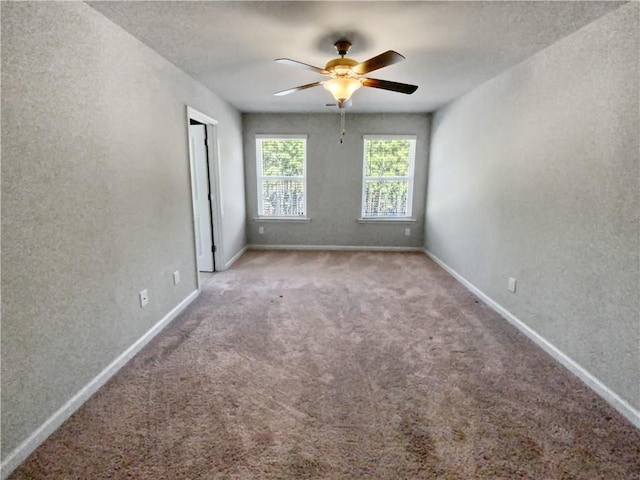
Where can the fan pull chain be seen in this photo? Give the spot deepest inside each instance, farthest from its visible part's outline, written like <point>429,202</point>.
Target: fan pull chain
<point>342,130</point>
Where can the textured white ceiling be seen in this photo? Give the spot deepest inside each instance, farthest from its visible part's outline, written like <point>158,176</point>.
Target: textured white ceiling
<point>450,47</point>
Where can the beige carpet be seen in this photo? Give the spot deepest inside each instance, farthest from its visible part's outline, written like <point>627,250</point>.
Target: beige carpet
<point>340,365</point>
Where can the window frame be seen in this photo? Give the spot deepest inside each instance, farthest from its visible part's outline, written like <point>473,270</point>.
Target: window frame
<point>410,178</point>
<point>260,177</point>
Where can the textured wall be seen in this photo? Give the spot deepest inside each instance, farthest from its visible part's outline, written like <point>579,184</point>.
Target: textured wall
<point>334,179</point>
<point>535,175</point>
<point>96,201</point>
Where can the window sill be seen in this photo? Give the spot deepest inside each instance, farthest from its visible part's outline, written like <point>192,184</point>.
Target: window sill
<point>282,219</point>
<point>387,220</point>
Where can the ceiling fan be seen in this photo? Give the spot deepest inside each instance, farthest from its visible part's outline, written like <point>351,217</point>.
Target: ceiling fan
<point>347,74</point>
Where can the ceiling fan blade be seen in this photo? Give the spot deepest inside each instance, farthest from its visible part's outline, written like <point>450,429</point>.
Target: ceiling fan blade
<point>383,60</point>
<point>296,89</point>
<point>295,63</point>
<point>387,85</point>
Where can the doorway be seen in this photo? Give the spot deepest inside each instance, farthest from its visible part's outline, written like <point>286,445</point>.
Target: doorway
<point>205,190</point>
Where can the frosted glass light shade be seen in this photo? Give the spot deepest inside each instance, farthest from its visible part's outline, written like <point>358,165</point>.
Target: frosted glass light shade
<point>342,88</point>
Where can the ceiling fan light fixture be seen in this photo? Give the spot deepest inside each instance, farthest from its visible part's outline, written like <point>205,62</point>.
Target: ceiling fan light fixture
<point>342,87</point>
<point>347,74</point>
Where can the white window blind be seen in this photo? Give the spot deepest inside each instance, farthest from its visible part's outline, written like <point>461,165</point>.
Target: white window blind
<point>387,183</point>
<point>281,163</point>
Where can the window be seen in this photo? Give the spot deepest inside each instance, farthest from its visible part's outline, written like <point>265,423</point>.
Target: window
<point>281,164</point>
<point>387,184</point>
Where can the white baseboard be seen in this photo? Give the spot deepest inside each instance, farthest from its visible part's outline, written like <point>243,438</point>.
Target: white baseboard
<point>235,257</point>
<point>336,247</point>
<point>33,441</point>
<point>621,405</point>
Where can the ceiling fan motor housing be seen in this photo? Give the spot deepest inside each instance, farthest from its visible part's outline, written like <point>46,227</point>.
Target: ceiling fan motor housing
<point>341,66</point>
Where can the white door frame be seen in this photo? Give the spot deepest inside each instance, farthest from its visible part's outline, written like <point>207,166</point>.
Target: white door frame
<point>213,158</point>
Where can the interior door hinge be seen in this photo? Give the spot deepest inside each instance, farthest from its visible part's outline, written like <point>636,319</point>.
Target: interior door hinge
<point>214,249</point>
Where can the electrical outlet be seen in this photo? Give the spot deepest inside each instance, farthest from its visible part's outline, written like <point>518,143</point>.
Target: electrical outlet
<point>260,230</point>
<point>511,286</point>
<point>144,298</point>
<point>176,277</point>
<point>407,232</point>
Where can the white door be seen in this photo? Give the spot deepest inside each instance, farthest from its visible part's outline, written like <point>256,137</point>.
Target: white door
<point>201,196</point>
